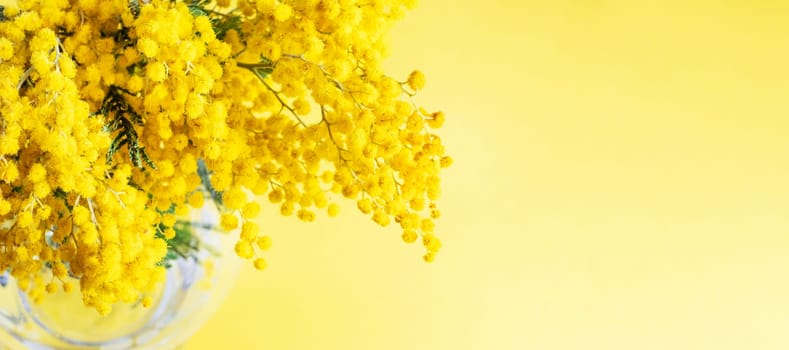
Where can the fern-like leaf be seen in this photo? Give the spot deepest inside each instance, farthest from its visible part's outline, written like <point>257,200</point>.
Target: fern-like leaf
<point>120,117</point>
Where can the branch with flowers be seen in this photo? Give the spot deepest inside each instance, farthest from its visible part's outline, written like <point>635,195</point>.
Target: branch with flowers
<point>117,117</point>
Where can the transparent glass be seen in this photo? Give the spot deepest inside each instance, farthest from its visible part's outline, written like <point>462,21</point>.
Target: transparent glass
<point>190,295</point>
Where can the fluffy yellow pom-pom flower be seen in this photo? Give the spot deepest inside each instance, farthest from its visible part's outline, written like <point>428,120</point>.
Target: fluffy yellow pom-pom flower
<point>417,80</point>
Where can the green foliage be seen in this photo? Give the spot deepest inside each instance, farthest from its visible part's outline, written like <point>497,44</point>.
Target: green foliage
<point>62,195</point>
<point>205,179</point>
<point>262,68</point>
<point>183,246</point>
<point>225,23</point>
<point>120,118</point>
<point>138,67</point>
<point>196,8</point>
<point>134,7</point>
<point>221,22</point>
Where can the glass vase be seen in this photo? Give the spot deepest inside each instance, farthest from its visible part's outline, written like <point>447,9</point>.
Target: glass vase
<point>191,293</point>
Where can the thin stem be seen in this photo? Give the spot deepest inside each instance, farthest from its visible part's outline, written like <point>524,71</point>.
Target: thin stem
<point>23,79</point>
<point>92,213</point>
<point>328,127</point>
<point>282,102</point>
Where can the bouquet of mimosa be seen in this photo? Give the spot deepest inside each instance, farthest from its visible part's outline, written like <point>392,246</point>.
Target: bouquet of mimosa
<point>118,116</point>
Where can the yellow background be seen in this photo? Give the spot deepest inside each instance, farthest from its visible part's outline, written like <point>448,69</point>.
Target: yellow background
<point>621,182</point>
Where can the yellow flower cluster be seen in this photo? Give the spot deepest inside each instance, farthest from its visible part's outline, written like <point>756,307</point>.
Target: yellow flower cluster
<point>118,116</point>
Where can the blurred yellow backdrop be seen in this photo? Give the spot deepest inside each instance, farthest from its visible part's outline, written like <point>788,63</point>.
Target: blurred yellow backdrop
<point>621,182</point>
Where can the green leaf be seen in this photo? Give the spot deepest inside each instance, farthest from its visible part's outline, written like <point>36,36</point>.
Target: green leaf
<point>266,68</point>
<point>183,246</point>
<point>120,117</point>
<point>262,68</point>
<point>197,11</point>
<point>147,159</point>
<point>221,22</point>
<point>225,24</point>
<point>205,179</point>
<point>134,7</point>
<point>116,144</point>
